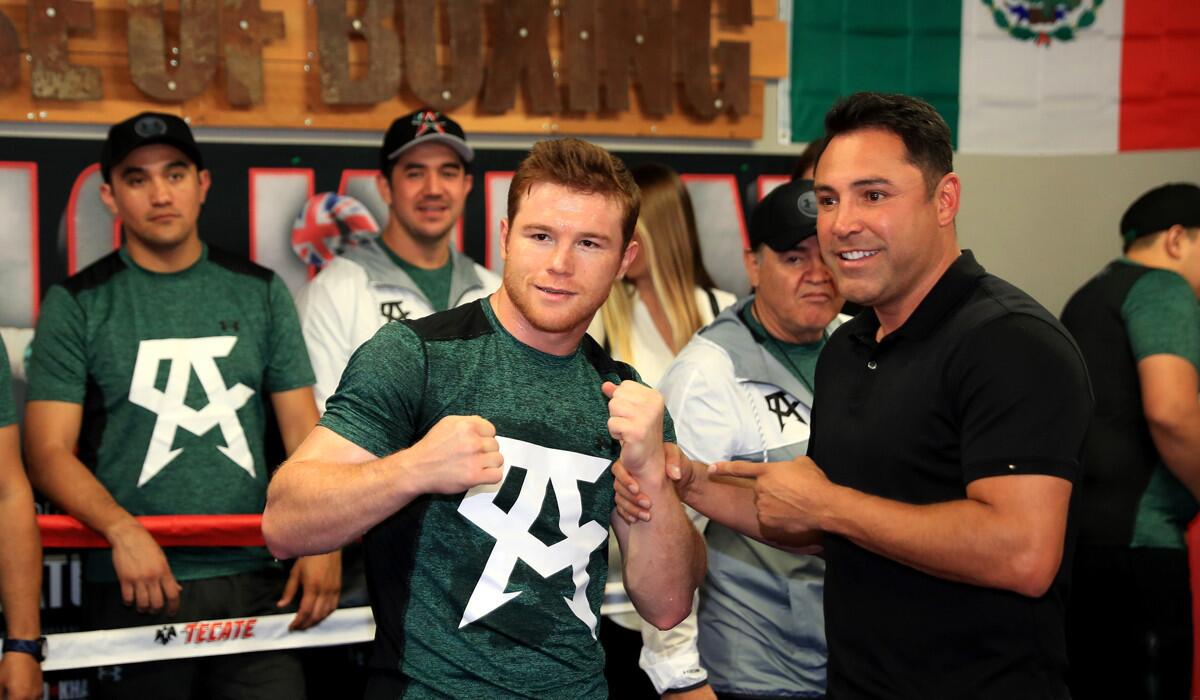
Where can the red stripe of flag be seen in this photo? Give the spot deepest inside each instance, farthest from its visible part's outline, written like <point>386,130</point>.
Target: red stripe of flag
<point>1160,75</point>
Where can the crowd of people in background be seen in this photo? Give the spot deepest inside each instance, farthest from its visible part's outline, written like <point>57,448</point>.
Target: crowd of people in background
<point>883,473</point>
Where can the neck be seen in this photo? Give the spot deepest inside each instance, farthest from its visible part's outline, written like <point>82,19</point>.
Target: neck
<point>552,343</point>
<point>173,259</point>
<point>893,314</point>
<point>779,330</point>
<point>1153,256</point>
<point>429,253</point>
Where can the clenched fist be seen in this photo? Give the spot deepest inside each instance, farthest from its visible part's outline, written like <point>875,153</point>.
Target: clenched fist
<point>636,420</point>
<point>458,453</point>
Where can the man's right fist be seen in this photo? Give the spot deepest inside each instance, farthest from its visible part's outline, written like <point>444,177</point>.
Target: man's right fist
<point>457,453</point>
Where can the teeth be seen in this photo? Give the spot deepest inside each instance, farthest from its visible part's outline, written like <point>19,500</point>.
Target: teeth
<point>857,254</point>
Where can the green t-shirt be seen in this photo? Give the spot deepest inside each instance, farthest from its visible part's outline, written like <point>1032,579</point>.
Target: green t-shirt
<point>1162,316</point>
<point>799,359</point>
<point>496,592</point>
<point>172,371</point>
<point>8,413</point>
<point>434,284</point>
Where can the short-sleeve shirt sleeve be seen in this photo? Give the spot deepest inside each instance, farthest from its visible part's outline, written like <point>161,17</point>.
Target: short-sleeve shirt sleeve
<point>377,404</point>
<point>1162,317</point>
<point>8,413</point>
<point>58,359</point>
<point>1030,421</point>
<point>288,366</point>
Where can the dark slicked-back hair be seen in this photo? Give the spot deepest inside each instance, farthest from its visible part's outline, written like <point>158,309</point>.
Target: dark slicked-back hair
<point>925,134</point>
<point>582,167</point>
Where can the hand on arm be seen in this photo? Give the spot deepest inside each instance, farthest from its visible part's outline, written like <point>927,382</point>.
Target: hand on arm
<point>664,558</point>
<point>1008,532</point>
<point>1172,409</point>
<point>331,490</point>
<point>20,570</point>
<point>51,431</point>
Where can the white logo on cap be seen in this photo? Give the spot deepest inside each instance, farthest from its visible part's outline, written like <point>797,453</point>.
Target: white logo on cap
<point>147,127</point>
<point>807,204</point>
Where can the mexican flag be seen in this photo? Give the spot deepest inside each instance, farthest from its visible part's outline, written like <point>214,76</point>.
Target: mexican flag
<point>1010,76</point>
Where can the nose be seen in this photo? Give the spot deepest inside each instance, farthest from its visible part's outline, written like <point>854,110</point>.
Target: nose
<point>435,184</point>
<point>819,272</point>
<point>562,261</point>
<point>160,191</point>
<point>843,220</point>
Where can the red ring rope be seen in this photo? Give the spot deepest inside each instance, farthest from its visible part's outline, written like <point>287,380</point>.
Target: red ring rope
<point>65,532</point>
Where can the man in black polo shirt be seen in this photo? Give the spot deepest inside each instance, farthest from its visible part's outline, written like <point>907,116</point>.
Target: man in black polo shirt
<point>1138,324</point>
<point>947,428</point>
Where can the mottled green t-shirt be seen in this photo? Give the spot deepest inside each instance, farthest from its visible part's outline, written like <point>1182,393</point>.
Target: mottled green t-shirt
<point>1162,316</point>
<point>172,371</point>
<point>434,284</point>
<point>8,414</point>
<point>496,592</point>
<point>799,358</point>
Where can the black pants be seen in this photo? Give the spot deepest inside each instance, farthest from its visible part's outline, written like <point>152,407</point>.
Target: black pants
<point>1129,624</point>
<point>269,675</point>
<point>622,648</point>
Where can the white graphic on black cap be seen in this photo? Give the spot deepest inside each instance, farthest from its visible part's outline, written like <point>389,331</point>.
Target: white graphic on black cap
<point>807,204</point>
<point>146,127</point>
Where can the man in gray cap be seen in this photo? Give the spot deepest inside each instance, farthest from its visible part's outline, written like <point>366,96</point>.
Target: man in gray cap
<point>742,389</point>
<point>411,270</point>
<point>1138,325</point>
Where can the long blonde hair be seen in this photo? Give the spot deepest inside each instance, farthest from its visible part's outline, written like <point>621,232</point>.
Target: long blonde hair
<point>667,232</point>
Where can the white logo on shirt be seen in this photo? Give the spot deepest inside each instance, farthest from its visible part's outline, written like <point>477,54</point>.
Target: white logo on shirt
<point>187,355</point>
<point>514,542</point>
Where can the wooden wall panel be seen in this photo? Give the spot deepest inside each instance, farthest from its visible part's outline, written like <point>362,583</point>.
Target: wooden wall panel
<point>291,86</point>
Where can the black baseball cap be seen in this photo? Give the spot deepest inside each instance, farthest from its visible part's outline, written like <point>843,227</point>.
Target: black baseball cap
<point>785,217</point>
<point>422,126</point>
<point>1161,208</point>
<point>143,130</point>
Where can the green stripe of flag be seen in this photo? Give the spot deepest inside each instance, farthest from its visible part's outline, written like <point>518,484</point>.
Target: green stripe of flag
<point>843,46</point>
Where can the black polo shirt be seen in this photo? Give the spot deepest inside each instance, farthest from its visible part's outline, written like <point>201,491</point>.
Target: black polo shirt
<point>980,381</point>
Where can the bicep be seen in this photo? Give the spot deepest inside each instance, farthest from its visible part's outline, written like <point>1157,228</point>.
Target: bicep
<point>51,424</point>
<point>1169,386</point>
<point>325,446</point>
<point>12,473</point>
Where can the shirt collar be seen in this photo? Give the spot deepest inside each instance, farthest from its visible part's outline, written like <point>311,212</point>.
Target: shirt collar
<point>951,289</point>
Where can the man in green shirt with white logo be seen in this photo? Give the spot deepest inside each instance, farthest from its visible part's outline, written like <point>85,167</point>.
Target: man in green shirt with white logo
<point>473,447</point>
<point>1138,324</point>
<point>155,362</point>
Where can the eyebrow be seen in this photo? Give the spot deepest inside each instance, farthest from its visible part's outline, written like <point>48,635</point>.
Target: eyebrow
<point>422,166</point>
<point>138,170</point>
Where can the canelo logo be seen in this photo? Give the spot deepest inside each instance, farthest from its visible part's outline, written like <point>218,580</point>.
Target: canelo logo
<point>219,631</point>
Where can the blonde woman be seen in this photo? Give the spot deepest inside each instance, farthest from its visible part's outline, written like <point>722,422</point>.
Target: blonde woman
<point>666,295</point>
<point>665,298</point>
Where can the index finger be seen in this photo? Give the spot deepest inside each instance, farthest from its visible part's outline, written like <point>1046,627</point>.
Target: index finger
<point>746,470</point>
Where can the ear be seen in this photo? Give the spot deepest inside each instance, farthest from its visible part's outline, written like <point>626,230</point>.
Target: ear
<point>631,253</point>
<point>1175,241</point>
<point>504,238</point>
<point>106,196</point>
<point>750,260</point>
<point>205,179</point>
<point>470,180</point>
<point>384,187</point>
<point>948,193</point>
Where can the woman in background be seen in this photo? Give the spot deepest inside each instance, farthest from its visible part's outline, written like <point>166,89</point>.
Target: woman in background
<point>666,297</point>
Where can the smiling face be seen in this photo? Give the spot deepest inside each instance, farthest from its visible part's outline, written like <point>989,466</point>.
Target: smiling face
<point>562,254</point>
<point>156,191</point>
<point>885,236</point>
<point>427,191</point>
<point>794,294</point>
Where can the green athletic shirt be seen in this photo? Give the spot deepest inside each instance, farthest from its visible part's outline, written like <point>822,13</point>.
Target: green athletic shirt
<point>799,359</point>
<point>172,371</point>
<point>1162,316</point>
<point>8,414</point>
<point>434,284</point>
<point>496,592</point>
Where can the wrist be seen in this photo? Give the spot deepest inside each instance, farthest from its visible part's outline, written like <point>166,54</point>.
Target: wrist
<point>121,530</point>
<point>402,474</point>
<point>35,647</point>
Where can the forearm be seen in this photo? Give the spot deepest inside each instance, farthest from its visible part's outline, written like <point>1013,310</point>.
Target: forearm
<point>20,562</point>
<point>66,481</point>
<point>963,540</point>
<point>1178,443</point>
<point>315,507</point>
<point>730,502</point>
<point>664,557</point>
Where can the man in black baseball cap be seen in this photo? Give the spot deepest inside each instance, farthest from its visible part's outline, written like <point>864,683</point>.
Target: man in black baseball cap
<point>1138,325</point>
<point>146,129</point>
